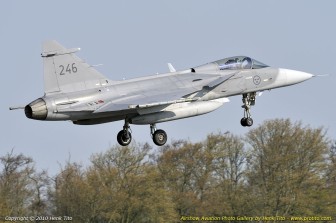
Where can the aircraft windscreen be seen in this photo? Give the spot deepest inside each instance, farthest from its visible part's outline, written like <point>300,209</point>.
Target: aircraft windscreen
<point>258,65</point>
<point>237,63</point>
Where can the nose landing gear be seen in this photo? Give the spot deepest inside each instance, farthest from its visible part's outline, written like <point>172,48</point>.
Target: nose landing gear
<point>248,100</point>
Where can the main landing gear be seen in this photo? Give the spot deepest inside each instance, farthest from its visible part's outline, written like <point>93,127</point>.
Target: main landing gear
<point>159,136</point>
<point>124,137</point>
<point>248,100</point>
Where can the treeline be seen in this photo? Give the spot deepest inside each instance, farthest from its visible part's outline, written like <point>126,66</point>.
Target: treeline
<point>277,169</point>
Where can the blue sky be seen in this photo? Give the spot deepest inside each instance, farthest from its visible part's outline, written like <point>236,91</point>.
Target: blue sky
<point>136,38</point>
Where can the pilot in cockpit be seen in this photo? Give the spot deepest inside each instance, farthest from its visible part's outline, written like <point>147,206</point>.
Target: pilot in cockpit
<point>247,63</point>
<point>232,64</point>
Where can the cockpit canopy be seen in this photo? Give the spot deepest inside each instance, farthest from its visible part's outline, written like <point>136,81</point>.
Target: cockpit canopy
<point>230,63</point>
<point>238,63</point>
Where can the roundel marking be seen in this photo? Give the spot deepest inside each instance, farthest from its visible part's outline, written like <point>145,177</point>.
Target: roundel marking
<point>256,80</point>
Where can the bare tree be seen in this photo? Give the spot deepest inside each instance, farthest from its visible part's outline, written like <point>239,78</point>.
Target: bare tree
<point>286,166</point>
<point>22,189</point>
<point>121,185</point>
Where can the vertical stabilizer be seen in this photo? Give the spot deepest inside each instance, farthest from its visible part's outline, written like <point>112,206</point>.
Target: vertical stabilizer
<point>65,72</point>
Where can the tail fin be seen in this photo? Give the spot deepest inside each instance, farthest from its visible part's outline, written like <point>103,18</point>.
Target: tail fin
<point>65,72</point>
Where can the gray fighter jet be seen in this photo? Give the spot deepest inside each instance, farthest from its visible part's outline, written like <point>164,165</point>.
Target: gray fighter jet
<point>76,91</point>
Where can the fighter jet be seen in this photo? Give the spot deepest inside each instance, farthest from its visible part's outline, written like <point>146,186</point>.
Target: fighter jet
<point>76,91</point>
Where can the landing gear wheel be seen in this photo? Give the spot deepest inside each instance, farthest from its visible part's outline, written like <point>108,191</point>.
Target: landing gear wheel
<point>243,122</point>
<point>159,137</point>
<point>124,138</point>
<point>246,122</point>
<point>249,122</point>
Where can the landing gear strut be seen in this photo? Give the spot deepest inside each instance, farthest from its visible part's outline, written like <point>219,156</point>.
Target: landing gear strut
<point>248,100</point>
<point>159,136</point>
<point>124,137</point>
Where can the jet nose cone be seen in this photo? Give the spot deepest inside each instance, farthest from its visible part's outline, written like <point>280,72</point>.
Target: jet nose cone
<point>295,77</point>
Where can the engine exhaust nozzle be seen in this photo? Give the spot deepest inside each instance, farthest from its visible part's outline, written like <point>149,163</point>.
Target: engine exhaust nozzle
<point>36,110</point>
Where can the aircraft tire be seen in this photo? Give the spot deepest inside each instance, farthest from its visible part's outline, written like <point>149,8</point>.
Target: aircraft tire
<point>249,122</point>
<point>159,137</point>
<point>243,122</point>
<point>122,140</point>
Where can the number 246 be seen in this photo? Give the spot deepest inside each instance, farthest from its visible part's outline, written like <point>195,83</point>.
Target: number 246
<point>68,69</point>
